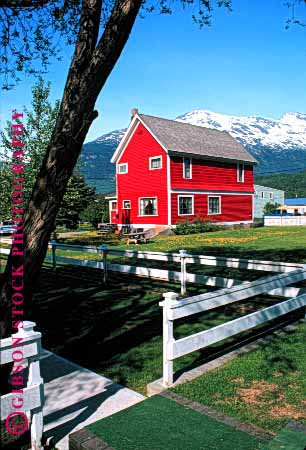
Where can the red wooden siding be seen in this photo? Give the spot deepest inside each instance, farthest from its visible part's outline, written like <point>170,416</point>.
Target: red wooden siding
<point>210,175</point>
<point>234,208</point>
<point>140,181</point>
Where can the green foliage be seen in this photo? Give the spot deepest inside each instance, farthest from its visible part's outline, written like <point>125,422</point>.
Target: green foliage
<point>293,184</point>
<point>198,225</point>
<point>96,211</point>
<point>77,198</point>
<point>32,32</point>
<point>39,122</point>
<point>270,207</point>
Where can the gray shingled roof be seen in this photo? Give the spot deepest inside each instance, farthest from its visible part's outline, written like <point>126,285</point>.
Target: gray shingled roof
<point>185,138</point>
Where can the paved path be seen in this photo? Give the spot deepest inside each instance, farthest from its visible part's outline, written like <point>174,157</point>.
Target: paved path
<point>76,397</point>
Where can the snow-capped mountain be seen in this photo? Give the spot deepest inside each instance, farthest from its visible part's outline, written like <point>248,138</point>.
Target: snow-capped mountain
<point>278,145</point>
<point>289,131</point>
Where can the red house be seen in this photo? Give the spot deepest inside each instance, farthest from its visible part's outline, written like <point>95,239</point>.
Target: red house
<point>168,171</point>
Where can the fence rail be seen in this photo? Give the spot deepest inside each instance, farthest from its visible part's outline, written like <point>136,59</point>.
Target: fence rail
<point>175,308</point>
<point>28,343</point>
<point>181,257</point>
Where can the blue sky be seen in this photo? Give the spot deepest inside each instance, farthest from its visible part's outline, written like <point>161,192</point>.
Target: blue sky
<point>246,63</point>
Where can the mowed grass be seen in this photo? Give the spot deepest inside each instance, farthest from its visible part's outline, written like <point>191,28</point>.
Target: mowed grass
<point>266,387</point>
<point>272,243</point>
<point>116,330</point>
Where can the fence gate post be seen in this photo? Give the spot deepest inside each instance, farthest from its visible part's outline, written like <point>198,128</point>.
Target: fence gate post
<point>35,378</point>
<point>168,338</point>
<point>183,255</point>
<point>53,247</point>
<point>104,254</point>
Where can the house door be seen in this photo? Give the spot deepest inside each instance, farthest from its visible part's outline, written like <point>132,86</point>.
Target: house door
<point>113,211</point>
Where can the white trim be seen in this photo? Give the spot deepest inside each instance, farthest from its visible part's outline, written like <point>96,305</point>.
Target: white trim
<point>122,165</point>
<point>253,207</point>
<point>123,207</point>
<point>185,191</point>
<point>128,135</point>
<point>178,205</point>
<point>240,164</point>
<point>156,157</point>
<point>125,138</point>
<point>147,215</point>
<point>187,157</point>
<point>169,188</point>
<point>220,205</point>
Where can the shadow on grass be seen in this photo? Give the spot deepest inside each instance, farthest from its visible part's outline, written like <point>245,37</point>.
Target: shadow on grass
<point>114,329</point>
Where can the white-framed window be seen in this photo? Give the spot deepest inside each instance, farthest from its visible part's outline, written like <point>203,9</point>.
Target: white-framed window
<point>123,168</point>
<point>126,204</point>
<point>214,205</point>
<point>187,168</point>
<point>155,162</point>
<point>185,205</point>
<point>271,195</point>
<point>113,205</point>
<point>148,206</point>
<point>262,194</point>
<point>240,172</point>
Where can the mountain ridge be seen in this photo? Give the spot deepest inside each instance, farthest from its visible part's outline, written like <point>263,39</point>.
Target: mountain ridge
<point>278,144</point>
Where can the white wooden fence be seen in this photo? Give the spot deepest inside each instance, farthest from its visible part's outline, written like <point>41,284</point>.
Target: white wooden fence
<point>28,344</point>
<point>284,221</point>
<point>174,308</point>
<point>181,257</point>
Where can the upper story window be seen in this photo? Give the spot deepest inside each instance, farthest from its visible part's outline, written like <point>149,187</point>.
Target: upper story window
<point>155,162</point>
<point>185,205</point>
<point>113,205</point>
<point>126,204</point>
<point>187,169</point>
<point>262,194</point>
<point>240,172</point>
<point>123,168</point>
<point>214,205</point>
<point>148,206</point>
<point>271,195</point>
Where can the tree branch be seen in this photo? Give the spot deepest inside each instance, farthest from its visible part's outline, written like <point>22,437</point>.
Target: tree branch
<point>13,4</point>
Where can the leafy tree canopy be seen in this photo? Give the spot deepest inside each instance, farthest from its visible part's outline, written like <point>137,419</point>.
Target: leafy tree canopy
<point>32,32</point>
<point>39,122</point>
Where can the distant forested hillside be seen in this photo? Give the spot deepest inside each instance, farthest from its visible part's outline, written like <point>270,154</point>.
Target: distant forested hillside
<point>293,184</point>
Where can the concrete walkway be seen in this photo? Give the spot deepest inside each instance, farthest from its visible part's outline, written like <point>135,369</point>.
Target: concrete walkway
<point>76,397</point>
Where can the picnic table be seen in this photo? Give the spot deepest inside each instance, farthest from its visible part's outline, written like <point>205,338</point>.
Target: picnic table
<point>135,237</point>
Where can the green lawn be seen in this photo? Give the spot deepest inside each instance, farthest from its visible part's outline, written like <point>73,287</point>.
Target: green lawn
<point>266,387</point>
<point>117,330</point>
<point>272,243</point>
<point>162,424</point>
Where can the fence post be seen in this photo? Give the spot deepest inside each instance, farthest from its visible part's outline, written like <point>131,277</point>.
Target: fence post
<point>35,379</point>
<point>183,255</point>
<point>104,254</point>
<point>168,338</point>
<point>53,248</point>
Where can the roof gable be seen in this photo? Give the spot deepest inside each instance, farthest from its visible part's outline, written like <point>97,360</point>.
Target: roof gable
<point>181,137</point>
<point>128,136</point>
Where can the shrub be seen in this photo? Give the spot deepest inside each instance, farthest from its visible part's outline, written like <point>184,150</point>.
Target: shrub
<point>197,225</point>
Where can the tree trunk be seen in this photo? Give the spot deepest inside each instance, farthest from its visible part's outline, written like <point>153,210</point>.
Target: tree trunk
<point>89,70</point>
